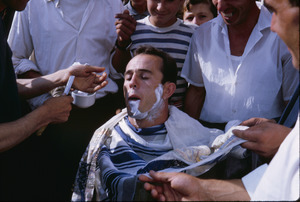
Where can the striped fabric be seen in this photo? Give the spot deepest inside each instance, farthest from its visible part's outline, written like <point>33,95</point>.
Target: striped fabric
<point>174,40</point>
<point>126,156</point>
<point>118,153</point>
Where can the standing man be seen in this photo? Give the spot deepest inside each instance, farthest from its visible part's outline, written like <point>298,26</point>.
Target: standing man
<point>17,128</point>
<point>237,68</point>
<point>279,181</point>
<point>46,37</point>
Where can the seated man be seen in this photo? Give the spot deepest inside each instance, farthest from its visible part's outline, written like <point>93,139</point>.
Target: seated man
<point>139,138</point>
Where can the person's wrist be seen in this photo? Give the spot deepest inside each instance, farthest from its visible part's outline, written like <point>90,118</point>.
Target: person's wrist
<point>123,47</point>
<point>65,74</point>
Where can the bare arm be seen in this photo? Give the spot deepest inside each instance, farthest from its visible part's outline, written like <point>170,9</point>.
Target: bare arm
<point>54,110</point>
<point>125,26</point>
<point>194,101</point>
<point>183,187</point>
<point>86,80</point>
<point>120,59</point>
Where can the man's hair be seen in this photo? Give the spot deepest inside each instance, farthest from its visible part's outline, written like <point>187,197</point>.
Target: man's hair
<point>294,2</point>
<point>169,67</point>
<point>212,7</point>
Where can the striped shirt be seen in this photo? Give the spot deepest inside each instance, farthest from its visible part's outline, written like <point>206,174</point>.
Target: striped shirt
<point>121,162</point>
<point>173,40</point>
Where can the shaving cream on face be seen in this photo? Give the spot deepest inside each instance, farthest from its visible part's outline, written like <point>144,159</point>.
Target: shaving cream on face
<point>134,110</point>
<point>153,112</point>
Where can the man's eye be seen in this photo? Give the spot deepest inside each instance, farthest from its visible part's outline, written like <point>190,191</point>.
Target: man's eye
<point>202,16</point>
<point>190,18</point>
<point>127,77</point>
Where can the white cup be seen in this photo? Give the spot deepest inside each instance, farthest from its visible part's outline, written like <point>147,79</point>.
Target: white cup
<point>83,99</point>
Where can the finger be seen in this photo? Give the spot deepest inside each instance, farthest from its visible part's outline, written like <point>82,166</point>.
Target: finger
<point>103,77</point>
<point>241,134</point>
<point>144,178</point>
<point>124,34</point>
<point>249,122</point>
<point>125,14</point>
<point>102,85</point>
<point>254,146</point>
<point>161,176</point>
<point>95,87</point>
<point>90,68</point>
<point>252,134</point>
<point>126,26</point>
<point>148,186</point>
<point>154,193</point>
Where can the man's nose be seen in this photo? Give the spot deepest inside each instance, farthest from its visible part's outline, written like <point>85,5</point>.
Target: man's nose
<point>195,21</point>
<point>160,6</point>
<point>133,82</point>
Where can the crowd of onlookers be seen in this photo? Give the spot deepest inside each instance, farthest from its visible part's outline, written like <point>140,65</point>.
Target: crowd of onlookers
<point>183,69</point>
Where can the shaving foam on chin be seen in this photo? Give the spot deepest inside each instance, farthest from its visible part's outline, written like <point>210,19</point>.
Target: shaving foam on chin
<point>135,112</point>
<point>153,112</point>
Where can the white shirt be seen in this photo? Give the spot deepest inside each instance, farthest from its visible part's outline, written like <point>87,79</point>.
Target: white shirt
<point>263,79</point>
<point>279,180</point>
<point>58,41</point>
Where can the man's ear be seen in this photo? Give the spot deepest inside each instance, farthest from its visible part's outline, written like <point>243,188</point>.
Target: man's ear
<point>169,89</point>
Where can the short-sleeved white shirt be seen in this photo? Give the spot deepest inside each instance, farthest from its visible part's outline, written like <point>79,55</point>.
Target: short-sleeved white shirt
<point>259,85</point>
<point>279,181</point>
<point>59,41</point>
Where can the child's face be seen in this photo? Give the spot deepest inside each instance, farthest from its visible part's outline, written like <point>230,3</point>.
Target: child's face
<point>163,12</point>
<point>198,14</point>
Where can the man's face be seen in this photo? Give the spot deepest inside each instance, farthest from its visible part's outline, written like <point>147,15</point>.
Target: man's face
<point>198,14</point>
<point>163,12</point>
<point>285,22</point>
<point>142,78</point>
<point>234,12</point>
<point>17,5</point>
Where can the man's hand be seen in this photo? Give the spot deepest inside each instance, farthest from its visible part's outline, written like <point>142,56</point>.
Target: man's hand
<point>125,26</point>
<point>171,186</point>
<point>86,78</point>
<point>57,110</point>
<point>264,138</point>
<point>183,187</point>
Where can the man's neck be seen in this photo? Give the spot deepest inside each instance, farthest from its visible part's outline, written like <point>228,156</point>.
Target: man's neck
<point>248,25</point>
<point>240,33</point>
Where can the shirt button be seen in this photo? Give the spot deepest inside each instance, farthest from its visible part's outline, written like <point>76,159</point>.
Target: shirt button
<point>234,111</point>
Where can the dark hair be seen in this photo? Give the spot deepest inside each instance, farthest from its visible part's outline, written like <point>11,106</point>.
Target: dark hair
<point>294,2</point>
<point>169,67</point>
<point>212,7</point>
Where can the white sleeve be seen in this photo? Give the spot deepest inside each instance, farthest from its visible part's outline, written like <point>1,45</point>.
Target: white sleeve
<point>20,42</point>
<point>191,70</point>
<point>252,179</point>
